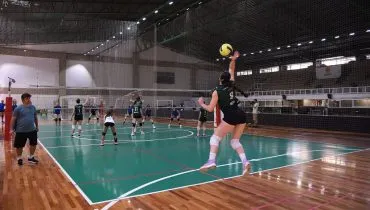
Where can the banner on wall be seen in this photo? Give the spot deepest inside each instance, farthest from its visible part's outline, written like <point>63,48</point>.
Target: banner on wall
<point>328,72</point>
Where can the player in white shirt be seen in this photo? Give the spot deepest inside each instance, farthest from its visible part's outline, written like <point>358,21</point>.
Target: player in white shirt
<point>109,123</point>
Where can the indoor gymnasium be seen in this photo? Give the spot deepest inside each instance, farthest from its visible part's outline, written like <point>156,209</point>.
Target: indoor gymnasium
<point>184,104</point>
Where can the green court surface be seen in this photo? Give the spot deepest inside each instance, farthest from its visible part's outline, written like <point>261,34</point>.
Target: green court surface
<point>163,159</point>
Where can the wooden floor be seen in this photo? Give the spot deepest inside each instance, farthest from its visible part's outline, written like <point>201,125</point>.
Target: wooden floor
<point>341,182</point>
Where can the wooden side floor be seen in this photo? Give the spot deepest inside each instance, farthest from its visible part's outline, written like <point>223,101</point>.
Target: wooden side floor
<point>341,182</point>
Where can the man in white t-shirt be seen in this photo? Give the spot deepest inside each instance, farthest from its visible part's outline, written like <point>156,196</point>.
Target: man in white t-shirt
<point>255,112</point>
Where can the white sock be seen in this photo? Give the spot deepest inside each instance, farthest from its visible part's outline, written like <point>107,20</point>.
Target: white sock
<point>31,156</point>
<point>212,156</point>
<point>243,158</point>
<point>19,157</point>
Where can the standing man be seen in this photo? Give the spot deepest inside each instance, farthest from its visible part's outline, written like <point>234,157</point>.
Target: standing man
<point>255,113</point>
<point>25,122</point>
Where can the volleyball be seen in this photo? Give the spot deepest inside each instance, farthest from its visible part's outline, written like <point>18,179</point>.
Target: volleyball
<point>226,49</point>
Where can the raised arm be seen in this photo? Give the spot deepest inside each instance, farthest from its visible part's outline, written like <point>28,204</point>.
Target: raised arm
<point>232,65</point>
<point>211,105</point>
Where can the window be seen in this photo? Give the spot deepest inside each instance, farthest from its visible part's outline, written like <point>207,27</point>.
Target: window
<point>270,69</point>
<point>165,77</point>
<point>241,73</point>
<point>337,60</point>
<point>368,57</point>
<point>297,66</point>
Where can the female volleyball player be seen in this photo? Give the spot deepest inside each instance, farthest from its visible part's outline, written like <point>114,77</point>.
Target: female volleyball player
<point>109,123</point>
<point>202,119</point>
<point>78,114</point>
<point>175,113</point>
<point>233,121</point>
<point>128,114</point>
<point>148,115</point>
<point>137,116</point>
<point>93,110</point>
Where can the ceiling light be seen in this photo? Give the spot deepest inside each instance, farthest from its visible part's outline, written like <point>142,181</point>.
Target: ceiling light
<point>299,44</point>
<point>187,8</point>
<point>278,48</point>
<point>323,40</point>
<point>223,58</point>
<point>88,52</point>
<point>128,28</point>
<point>269,50</point>
<point>288,46</point>
<point>102,44</point>
<point>121,32</point>
<point>155,12</point>
<point>85,54</point>
<point>177,14</point>
<point>144,18</point>
<point>114,37</point>
<point>261,51</point>
<point>244,54</point>
<point>170,3</point>
<point>252,53</point>
<point>217,59</point>
<point>200,2</point>
<point>368,30</point>
<point>351,34</point>
<point>336,37</point>
<point>310,42</point>
<point>138,22</point>
<point>24,50</point>
<point>92,50</point>
<point>97,47</point>
<point>167,19</point>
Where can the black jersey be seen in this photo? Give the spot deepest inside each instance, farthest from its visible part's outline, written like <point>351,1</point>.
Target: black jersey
<point>78,110</point>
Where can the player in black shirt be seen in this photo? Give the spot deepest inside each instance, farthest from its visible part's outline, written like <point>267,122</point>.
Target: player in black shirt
<point>78,117</point>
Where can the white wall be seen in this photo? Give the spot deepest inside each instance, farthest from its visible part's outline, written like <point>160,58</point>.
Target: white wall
<point>98,74</point>
<point>28,71</point>
<point>165,54</point>
<point>148,78</point>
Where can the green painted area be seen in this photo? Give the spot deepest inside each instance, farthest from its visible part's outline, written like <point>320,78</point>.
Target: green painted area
<point>164,158</point>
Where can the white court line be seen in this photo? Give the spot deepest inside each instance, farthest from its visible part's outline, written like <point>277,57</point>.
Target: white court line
<point>125,141</point>
<point>125,196</point>
<point>67,175</point>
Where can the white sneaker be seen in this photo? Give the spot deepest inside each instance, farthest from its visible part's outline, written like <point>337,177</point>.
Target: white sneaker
<point>132,134</point>
<point>169,125</point>
<point>153,127</point>
<point>246,168</point>
<point>142,132</point>
<point>180,126</point>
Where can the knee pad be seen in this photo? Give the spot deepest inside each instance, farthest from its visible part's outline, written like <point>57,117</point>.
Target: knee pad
<point>60,119</point>
<point>235,144</point>
<point>171,119</point>
<point>103,134</point>
<point>73,127</point>
<point>133,124</point>
<point>141,124</point>
<point>215,140</point>
<point>79,127</point>
<point>114,134</point>
<point>178,119</point>
<point>89,118</point>
<point>97,118</point>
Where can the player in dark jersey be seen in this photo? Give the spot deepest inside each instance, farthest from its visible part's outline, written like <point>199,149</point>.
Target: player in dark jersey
<point>175,113</point>
<point>148,115</point>
<point>128,114</point>
<point>234,118</point>
<point>93,111</point>
<point>202,119</point>
<point>78,117</point>
<point>57,111</point>
<point>137,116</point>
